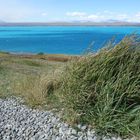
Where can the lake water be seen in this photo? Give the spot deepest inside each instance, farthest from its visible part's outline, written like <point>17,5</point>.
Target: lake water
<point>59,39</point>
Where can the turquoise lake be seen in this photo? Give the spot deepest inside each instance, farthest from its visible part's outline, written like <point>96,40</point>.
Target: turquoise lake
<point>59,39</point>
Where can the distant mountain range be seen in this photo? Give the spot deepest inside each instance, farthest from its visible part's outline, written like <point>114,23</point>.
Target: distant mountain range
<point>72,23</point>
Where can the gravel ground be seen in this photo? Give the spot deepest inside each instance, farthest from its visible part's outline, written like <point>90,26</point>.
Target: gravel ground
<point>18,122</point>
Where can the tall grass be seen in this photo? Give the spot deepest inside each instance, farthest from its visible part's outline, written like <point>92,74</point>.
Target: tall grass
<point>36,89</point>
<point>103,90</point>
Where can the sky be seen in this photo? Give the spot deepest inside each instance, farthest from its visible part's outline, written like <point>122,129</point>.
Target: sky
<point>69,10</point>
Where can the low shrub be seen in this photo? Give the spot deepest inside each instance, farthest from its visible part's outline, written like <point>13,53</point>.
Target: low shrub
<point>40,53</point>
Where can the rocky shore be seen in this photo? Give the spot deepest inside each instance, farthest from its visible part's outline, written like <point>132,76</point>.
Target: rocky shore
<point>18,122</point>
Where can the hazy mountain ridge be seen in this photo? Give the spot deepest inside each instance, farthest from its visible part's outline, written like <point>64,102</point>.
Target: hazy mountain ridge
<point>73,23</point>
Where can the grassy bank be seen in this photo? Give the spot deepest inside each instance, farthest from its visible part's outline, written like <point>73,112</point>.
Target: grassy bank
<point>102,89</point>
<point>20,73</point>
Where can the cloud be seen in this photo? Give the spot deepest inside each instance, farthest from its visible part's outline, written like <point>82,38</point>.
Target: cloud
<point>104,16</point>
<point>83,16</point>
<point>107,12</point>
<point>86,16</point>
<point>122,17</point>
<point>44,14</point>
<point>137,16</point>
<point>76,14</point>
<point>92,17</point>
<point>19,11</point>
<point>134,18</point>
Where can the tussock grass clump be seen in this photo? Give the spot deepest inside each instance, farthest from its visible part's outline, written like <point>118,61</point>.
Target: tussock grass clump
<point>103,89</point>
<point>36,89</point>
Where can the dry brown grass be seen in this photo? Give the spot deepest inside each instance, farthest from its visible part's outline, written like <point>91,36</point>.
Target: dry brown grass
<point>49,57</point>
<point>28,76</point>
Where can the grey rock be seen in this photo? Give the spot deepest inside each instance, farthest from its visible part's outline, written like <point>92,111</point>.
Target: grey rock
<point>84,127</point>
<point>74,132</point>
<point>18,122</point>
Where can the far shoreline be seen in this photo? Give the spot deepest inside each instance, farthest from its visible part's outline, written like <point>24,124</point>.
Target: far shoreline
<point>29,53</point>
<point>41,56</point>
<point>38,53</point>
<point>67,24</point>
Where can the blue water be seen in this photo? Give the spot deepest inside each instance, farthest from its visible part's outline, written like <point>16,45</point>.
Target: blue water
<point>59,39</point>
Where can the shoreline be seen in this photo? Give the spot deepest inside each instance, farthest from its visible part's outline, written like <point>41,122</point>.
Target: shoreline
<point>70,24</point>
<point>39,53</point>
<point>49,57</point>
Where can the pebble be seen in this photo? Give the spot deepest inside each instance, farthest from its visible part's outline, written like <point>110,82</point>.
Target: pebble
<point>18,122</point>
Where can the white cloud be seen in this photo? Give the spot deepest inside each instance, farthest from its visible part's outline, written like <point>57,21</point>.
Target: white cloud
<point>19,11</point>
<point>134,18</point>
<point>138,15</point>
<point>44,14</point>
<point>123,17</point>
<point>93,17</point>
<point>103,16</point>
<point>107,12</point>
<point>76,14</point>
<point>83,16</point>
